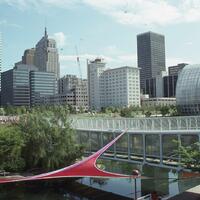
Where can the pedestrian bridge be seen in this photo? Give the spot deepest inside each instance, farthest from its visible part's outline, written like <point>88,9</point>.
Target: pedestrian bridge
<point>148,140</point>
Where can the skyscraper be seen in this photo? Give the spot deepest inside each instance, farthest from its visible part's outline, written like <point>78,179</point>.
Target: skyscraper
<point>94,71</point>
<point>151,55</point>
<point>28,57</point>
<point>119,87</point>
<point>42,84</point>
<point>16,85</point>
<point>46,55</point>
<point>174,70</point>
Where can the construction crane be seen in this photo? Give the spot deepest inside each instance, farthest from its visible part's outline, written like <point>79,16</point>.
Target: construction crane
<point>80,71</point>
<point>78,61</point>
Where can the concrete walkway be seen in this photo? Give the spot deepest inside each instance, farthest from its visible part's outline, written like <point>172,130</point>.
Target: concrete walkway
<point>191,194</point>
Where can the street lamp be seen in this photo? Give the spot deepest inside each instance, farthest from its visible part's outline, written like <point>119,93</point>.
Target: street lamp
<point>135,174</point>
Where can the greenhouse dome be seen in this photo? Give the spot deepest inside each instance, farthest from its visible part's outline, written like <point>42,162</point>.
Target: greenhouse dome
<point>188,90</point>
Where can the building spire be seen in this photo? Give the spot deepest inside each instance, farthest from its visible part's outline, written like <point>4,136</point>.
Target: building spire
<point>45,32</point>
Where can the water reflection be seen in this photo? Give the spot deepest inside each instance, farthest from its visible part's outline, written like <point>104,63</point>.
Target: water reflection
<point>165,182</point>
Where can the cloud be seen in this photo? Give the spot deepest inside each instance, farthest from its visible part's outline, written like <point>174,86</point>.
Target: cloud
<point>128,59</point>
<point>129,12</point>
<point>189,43</point>
<point>116,60</point>
<point>8,24</point>
<point>60,38</point>
<point>39,4</point>
<point>174,61</point>
<point>84,57</point>
<point>137,12</point>
<point>69,62</point>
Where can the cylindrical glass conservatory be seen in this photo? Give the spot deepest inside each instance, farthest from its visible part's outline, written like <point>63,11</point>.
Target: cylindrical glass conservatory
<point>188,90</point>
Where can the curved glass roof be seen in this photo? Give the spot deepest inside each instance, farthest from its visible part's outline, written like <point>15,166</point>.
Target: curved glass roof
<point>188,90</point>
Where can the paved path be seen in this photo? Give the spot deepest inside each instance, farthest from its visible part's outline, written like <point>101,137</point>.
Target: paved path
<point>191,194</point>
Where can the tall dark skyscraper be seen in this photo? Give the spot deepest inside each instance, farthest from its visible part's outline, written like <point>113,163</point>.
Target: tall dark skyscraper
<point>151,55</point>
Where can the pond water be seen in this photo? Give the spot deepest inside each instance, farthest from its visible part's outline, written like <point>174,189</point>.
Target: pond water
<point>165,182</point>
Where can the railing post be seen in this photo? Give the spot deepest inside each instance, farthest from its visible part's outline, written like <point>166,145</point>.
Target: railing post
<point>129,146</point>
<point>101,138</point>
<point>144,147</point>
<point>179,157</point>
<point>161,149</point>
<point>115,153</point>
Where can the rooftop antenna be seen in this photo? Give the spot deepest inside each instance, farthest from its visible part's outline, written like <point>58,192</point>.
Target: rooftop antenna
<point>45,28</point>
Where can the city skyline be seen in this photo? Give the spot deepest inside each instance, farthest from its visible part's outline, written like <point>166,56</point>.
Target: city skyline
<point>85,23</point>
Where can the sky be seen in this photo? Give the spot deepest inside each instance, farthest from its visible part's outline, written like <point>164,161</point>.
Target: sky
<point>100,28</point>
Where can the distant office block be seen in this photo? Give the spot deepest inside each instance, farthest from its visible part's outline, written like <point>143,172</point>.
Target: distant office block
<point>69,82</point>
<point>46,55</point>
<point>118,87</point>
<point>151,55</point>
<point>158,101</point>
<point>28,57</point>
<point>95,69</point>
<point>16,86</point>
<point>73,91</point>
<point>71,98</point>
<point>154,86</point>
<point>169,85</point>
<point>24,85</point>
<point>42,84</point>
<point>174,70</point>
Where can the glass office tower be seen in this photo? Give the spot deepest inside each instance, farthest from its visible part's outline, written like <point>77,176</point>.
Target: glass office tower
<point>151,55</point>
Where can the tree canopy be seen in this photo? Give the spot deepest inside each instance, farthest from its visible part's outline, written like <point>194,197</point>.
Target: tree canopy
<point>43,139</point>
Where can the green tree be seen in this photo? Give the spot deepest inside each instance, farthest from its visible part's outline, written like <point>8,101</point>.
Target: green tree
<point>148,113</point>
<point>173,111</point>
<point>49,139</point>
<point>11,144</point>
<point>164,110</point>
<point>2,112</point>
<point>189,155</point>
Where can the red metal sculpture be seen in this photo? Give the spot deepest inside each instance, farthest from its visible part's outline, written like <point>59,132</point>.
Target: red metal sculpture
<point>84,168</point>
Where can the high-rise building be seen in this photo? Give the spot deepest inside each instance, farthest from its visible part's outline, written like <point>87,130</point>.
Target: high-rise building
<point>174,70</point>
<point>151,55</point>
<point>42,84</point>
<point>24,85</point>
<point>69,82</point>
<point>73,91</point>
<point>94,71</point>
<point>169,85</point>
<point>154,86</point>
<point>28,57</point>
<point>118,87</point>
<point>16,86</point>
<point>46,55</point>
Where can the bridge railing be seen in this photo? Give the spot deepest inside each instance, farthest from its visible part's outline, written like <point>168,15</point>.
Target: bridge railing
<point>140,124</point>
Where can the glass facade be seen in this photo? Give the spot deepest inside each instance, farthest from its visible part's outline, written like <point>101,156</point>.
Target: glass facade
<point>188,90</point>
<point>42,84</point>
<point>151,55</point>
<point>150,87</point>
<point>169,86</point>
<point>15,87</point>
